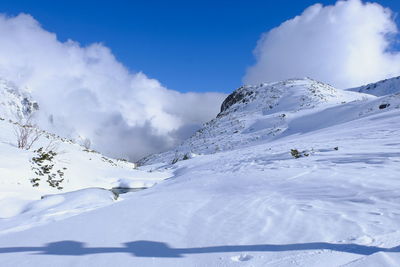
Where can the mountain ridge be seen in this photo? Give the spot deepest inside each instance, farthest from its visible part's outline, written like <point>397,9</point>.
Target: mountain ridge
<point>269,111</point>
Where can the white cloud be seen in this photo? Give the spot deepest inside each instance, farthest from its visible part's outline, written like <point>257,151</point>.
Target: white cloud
<point>347,44</point>
<point>85,91</point>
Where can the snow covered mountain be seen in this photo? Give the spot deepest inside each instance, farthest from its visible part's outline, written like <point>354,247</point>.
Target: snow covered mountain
<point>293,173</point>
<point>381,88</point>
<point>257,114</point>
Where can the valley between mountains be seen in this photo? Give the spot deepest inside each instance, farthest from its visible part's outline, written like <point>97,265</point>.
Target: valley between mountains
<point>290,173</point>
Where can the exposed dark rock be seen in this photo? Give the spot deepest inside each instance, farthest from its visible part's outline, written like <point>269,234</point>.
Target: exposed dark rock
<point>29,106</point>
<point>239,95</point>
<point>384,106</point>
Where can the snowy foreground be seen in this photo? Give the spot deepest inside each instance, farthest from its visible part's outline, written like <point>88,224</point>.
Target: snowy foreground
<point>240,199</point>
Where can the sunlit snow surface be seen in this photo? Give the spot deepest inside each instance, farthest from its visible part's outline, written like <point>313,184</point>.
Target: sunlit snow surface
<point>246,203</point>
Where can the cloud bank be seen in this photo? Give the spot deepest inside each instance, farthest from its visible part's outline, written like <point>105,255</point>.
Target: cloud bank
<point>84,92</point>
<point>347,45</point>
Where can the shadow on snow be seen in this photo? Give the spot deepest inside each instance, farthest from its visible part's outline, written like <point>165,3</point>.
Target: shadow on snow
<point>144,248</point>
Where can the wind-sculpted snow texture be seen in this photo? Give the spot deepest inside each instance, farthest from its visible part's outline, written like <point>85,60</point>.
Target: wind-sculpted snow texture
<point>241,197</point>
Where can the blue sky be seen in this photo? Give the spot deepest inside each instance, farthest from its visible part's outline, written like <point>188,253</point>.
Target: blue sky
<point>186,45</point>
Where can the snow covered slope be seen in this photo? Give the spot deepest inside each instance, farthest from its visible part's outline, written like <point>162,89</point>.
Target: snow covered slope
<point>81,168</point>
<point>381,88</point>
<point>53,165</point>
<point>254,114</point>
<point>334,202</point>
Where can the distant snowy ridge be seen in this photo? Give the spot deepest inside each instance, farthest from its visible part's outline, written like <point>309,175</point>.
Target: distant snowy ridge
<point>254,114</point>
<point>381,88</point>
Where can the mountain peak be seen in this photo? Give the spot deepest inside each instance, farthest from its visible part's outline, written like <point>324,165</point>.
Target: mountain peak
<point>291,94</point>
<point>264,112</point>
